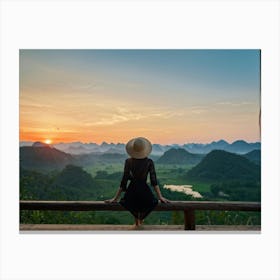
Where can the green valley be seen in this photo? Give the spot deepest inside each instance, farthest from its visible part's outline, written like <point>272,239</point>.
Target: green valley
<point>100,181</point>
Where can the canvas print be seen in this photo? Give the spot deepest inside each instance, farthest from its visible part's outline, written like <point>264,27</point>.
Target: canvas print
<point>140,140</point>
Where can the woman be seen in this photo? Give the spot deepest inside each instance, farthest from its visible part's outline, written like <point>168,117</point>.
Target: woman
<point>138,197</point>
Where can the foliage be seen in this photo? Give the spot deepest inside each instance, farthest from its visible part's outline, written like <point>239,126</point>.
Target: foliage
<point>254,156</point>
<point>43,158</point>
<point>237,190</point>
<point>101,181</point>
<point>211,217</point>
<point>219,165</point>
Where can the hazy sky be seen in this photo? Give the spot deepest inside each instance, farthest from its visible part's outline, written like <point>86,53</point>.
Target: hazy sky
<point>168,96</point>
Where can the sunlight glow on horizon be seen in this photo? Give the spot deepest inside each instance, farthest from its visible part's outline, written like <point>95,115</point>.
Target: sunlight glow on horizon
<point>48,141</point>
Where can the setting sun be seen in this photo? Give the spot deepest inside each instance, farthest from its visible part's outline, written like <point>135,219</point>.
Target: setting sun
<point>48,141</point>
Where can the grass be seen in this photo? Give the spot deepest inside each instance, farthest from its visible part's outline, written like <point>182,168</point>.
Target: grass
<point>201,187</point>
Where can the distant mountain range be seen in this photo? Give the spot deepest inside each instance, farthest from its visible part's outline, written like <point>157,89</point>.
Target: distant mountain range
<point>42,157</point>
<point>79,148</point>
<point>238,147</point>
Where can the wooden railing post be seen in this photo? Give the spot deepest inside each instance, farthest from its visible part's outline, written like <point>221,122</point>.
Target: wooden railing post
<point>189,219</point>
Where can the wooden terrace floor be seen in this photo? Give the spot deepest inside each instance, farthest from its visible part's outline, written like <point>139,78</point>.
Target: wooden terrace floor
<point>72,227</point>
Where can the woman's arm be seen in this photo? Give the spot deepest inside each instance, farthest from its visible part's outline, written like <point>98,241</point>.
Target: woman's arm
<point>154,182</point>
<point>160,197</point>
<point>116,197</point>
<point>123,183</point>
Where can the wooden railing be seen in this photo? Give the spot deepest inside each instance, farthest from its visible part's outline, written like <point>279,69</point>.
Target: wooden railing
<point>188,207</point>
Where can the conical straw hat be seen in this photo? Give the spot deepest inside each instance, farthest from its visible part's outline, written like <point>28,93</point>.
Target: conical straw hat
<point>139,147</point>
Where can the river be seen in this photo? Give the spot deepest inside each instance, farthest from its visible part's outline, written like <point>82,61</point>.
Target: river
<point>187,189</point>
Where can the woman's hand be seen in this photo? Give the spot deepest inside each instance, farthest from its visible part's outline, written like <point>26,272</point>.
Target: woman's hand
<point>112,200</point>
<point>164,200</point>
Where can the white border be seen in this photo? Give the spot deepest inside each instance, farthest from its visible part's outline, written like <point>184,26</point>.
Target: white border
<point>139,24</point>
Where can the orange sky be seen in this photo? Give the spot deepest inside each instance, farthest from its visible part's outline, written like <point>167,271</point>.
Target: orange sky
<point>66,97</point>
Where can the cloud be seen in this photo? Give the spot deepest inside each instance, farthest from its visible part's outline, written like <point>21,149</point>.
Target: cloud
<point>198,109</point>
<point>35,106</point>
<point>125,114</point>
<point>83,87</point>
<point>109,121</point>
<point>198,112</point>
<point>235,104</point>
<point>224,103</point>
<point>38,129</point>
<point>120,114</point>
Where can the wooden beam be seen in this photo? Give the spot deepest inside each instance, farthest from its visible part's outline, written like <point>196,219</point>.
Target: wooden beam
<point>173,206</point>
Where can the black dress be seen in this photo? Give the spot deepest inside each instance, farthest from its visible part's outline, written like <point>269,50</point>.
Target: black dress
<point>138,197</point>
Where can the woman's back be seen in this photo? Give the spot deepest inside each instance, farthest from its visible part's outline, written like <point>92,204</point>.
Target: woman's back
<point>137,170</point>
